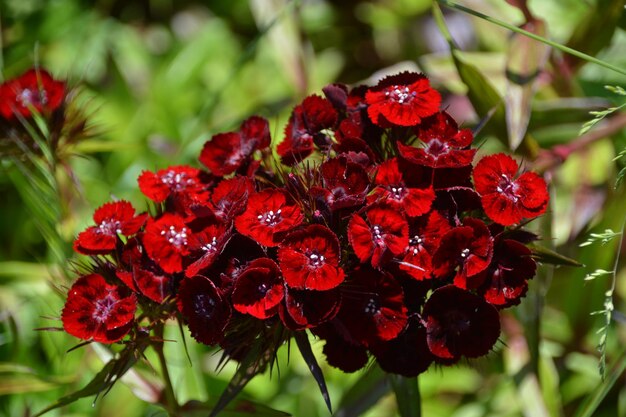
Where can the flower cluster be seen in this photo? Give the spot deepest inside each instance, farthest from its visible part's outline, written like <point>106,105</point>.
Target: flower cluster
<point>373,230</point>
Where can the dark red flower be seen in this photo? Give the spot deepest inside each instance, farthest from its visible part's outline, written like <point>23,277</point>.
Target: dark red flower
<point>259,289</point>
<point>303,309</point>
<point>207,313</point>
<point>445,146</point>
<point>382,236</point>
<point>98,311</point>
<point>268,216</point>
<point>403,99</point>
<point>306,126</point>
<point>207,243</point>
<point>392,188</point>
<point>507,199</point>
<point>373,310</point>
<point>407,354</point>
<point>309,259</point>
<point>33,90</point>
<point>227,152</point>
<point>154,285</point>
<point>507,277</point>
<point>239,252</point>
<point>425,233</point>
<point>166,241</point>
<point>349,356</point>
<point>345,184</point>
<point>173,181</point>
<point>112,219</point>
<point>230,197</point>
<point>459,323</point>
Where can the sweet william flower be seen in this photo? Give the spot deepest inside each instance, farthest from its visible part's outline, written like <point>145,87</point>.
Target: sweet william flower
<point>96,310</point>
<point>403,99</point>
<point>166,241</point>
<point>179,181</point>
<point>506,197</point>
<point>33,90</point>
<point>304,309</point>
<point>258,289</point>
<point>112,219</point>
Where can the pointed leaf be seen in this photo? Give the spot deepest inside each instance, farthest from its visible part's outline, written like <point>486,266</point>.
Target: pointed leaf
<point>304,346</point>
<point>548,256</point>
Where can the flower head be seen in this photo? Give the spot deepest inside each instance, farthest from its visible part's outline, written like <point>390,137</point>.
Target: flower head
<point>167,242</point>
<point>33,90</point>
<point>259,289</point>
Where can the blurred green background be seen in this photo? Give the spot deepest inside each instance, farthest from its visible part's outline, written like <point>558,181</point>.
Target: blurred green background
<point>159,77</point>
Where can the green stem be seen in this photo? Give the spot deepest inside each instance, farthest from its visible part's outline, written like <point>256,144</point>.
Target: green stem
<point>170,398</point>
<point>408,395</point>
<point>531,35</point>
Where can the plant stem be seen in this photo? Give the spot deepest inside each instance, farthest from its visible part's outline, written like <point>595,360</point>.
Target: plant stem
<point>408,395</point>
<point>170,398</point>
<point>531,35</point>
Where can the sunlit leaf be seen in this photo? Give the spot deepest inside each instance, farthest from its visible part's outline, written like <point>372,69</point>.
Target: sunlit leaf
<point>307,354</point>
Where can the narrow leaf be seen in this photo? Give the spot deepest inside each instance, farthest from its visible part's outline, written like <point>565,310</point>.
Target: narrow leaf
<point>548,256</point>
<point>304,346</point>
<point>593,401</point>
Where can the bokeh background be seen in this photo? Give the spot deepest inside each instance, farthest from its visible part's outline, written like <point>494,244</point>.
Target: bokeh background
<point>159,77</point>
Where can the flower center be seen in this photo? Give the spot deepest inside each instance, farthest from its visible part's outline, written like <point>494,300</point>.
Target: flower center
<point>372,306</point>
<point>508,188</point>
<point>465,253</point>
<point>109,227</point>
<point>177,181</point>
<point>211,246</point>
<point>263,288</point>
<point>103,308</point>
<point>377,234</point>
<point>175,237</point>
<point>270,218</point>
<point>437,148</point>
<point>28,97</point>
<point>315,259</point>
<point>397,193</point>
<point>415,240</point>
<point>400,95</point>
<point>203,305</point>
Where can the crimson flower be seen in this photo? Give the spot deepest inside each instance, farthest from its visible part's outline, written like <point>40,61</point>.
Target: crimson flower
<point>227,152</point>
<point>392,188</point>
<point>425,233</point>
<point>230,197</point>
<point>407,354</point>
<point>459,323</point>
<point>111,219</point>
<point>309,259</point>
<point>340,349</point>
<point>259,289</point>
<point>207,313</point>
<point>403,99</point>
<point>383,235</point>
<point>507,199</point>
<point>345,183</point>
<point>207,243</point>
<point>305,127</point>
<point>302,309</point>
<point>267,216</point>
<point>33,90</point>
<point>98,311</point>
<point>445,146</point>
<point>152,283</point>
<point>166,242</point>
<point>173,181</point>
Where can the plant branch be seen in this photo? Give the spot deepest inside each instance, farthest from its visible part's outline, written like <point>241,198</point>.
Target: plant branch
<point>170,398</point>
<point>552,158</point>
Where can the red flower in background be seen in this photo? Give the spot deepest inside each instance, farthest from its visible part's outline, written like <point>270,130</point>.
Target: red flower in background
<point>507,199</point>
<point>112,219</point>
<point>166,241</point>
<point>267,216</point>
<point>33,90</point>
<point>259,289</point>
<point>309,259</point>
<point>403,99</point>
<point>459,323</point>
<point>207,313</point>
<point>227,152</point>
<point>98,311</point>
<point>383,235</point>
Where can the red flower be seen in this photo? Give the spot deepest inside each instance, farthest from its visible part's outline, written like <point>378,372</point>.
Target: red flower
<point>382,236</point>
<point>111,219</point>
<point>98,311</point>
<point>305,127</point>
<point>207,313</point>
<point>154,285</point>
<point>268,216</point>
<point>309,259</point>
<point>403,99</point>
<point>227,152</point>
<point>166,242</point>
<point>303,309</point>
<point>345,183</point>
<point>425,233</point>
<point>445,146</point>
<point>373,310</point>
<point>173,181</point>
<point>464,251</point>
<point>230,197</point>
<point>35,89</point>
<point>459,323</point>
<point>393,189</point>
<point>259,289</point>
<point>508,200</point>
<point>208,243</point>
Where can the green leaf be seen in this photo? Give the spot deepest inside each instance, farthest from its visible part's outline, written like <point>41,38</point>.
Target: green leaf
<point>237,408</point>
<point>548,256</point>
<point>407,395</point>
<point>593,401</point>
<point>363,394</point>
<point>304,346</point>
